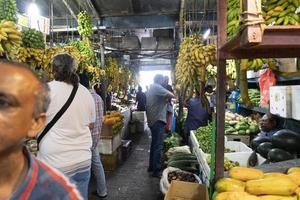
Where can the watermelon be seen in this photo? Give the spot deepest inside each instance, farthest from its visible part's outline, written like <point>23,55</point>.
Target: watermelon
<point>277,155</point>
<point>264,148</point>
<point>287,140</point>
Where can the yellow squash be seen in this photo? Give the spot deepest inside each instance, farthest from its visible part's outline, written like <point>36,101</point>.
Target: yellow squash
<point>229,185</point>
<point>274,175</point>
<point>271,186</point>
<point>293,169</point>
<point>295,176</point>
<point>274,197</point>
<point>236,196</point>
<point>245,174</point>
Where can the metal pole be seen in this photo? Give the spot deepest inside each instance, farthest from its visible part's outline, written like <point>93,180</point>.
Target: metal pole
<point>103,79</point>
<point>51,24</point>
<point>221,79</point>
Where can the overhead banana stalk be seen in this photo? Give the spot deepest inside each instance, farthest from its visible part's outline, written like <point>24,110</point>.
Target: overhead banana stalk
<point>244,83</point>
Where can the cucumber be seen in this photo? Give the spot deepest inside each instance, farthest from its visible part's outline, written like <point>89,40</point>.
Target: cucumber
<point>182,157</point>
<point>182,163</point>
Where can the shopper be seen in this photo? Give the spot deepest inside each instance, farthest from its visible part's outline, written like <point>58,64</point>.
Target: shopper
<point>268,125</point>
<point>170,106</point>
<point>141,99</point>
<point>97,167</point>
<point>156,108</point>
<point>67,145</point>
<point>197,116</point>
<point>24,100</point>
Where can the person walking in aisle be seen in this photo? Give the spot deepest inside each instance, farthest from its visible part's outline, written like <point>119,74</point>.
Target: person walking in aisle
<point>141,99</point>
<point>67,145</point>
<point>97,167</point>
<point>24,100</point>
<point>156,109</point>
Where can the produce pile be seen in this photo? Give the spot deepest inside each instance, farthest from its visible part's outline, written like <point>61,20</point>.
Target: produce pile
<point>192,61</point>
<point>85,25</point>
<point>254,96</point>
<point>32,38</point>
<point>238,125</point>
<point>115,120</point>
<point>283,145</point>
<point>181,176</point>
<point>171,141</point>
<point>10,37</point>
<point>228,164</point>
<point>252,184</point>
<point>233,14</point>
<point>203,135</point>
<point>184,161</point>
<point>8,10</point>
<point>280,12</point>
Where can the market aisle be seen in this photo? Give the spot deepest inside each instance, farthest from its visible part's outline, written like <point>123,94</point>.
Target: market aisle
<point>131,180</point>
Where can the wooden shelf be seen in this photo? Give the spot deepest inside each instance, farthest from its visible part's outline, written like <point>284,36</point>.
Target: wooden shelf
<point>277,42</point>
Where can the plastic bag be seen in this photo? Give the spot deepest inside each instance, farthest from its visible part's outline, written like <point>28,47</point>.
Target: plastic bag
<point>266,80</point>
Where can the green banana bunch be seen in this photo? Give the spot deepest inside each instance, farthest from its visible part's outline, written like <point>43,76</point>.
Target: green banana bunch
<point>32,38</point>
<point>8,10</point>
<point>233,13</point>
<point>281,12</point>
<point>231,69</point>
<point>85,25</point>
<point>255,64</point>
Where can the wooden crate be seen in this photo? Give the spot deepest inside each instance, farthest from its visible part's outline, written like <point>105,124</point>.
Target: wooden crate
<point>239,138</point>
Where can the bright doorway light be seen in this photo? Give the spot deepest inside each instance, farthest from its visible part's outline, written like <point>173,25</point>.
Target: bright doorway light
<point>206,34</point>
<point>33,13</point>
<point>146,77</point>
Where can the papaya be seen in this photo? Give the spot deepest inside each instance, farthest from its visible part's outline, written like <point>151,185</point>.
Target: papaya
<point>275,197</point>
<point>245,174</point>
<point>298,192</point>
<point>293,169</point>
<point>229,185</point>
<point>271,186</point>
<point>274,175</point>
<point>236,196</point>
<point>295,176</point>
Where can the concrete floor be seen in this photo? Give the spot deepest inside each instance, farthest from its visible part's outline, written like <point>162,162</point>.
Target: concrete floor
<point>131,181</point>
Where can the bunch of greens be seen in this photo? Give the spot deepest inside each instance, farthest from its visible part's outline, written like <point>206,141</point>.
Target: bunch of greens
<point>203,135</point>
<point>172,141</point>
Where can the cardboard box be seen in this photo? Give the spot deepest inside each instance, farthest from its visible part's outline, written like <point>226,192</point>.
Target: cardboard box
<point>106,130</point>
<point>180,190</point>
<point>296,102</point>
<point>108,144</point>
<point>110,162</point>
<point>281,101</point>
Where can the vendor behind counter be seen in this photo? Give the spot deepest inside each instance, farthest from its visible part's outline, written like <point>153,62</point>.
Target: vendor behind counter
<point>268,125</point>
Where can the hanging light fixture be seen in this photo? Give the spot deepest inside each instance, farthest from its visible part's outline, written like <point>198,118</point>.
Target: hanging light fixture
<point>206,34</point>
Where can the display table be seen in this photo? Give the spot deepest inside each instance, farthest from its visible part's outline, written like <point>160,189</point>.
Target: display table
<point>125,131</point>
<point>280,166</point>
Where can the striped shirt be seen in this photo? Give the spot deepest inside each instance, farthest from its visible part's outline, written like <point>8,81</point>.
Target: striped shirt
<point>44,182</point>
<point>96,131</point>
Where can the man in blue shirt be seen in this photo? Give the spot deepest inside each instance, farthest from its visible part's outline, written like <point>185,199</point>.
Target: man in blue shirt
<point>156,109</point>
<point>197,116</point>
<point>24,100</point>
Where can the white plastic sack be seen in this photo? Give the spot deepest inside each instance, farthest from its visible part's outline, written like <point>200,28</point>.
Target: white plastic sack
<point>181,149</point>
<point>164,182</point>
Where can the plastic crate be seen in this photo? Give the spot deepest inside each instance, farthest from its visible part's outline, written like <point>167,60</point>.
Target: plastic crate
<point>239,138</point>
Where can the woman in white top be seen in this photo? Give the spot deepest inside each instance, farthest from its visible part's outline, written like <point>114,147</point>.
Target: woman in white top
<point>67,145</point>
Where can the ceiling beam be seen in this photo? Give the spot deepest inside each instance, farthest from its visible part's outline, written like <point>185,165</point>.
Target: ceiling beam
<point>69,8</point>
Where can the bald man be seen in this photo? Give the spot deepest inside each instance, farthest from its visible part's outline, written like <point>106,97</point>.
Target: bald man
<point>24,101</point>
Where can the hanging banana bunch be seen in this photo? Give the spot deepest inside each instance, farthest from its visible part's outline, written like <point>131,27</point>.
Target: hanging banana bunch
<point>193,59</point>
<point>10,37</point>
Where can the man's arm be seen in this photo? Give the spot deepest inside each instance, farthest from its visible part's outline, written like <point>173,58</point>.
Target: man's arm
<point>161,91</point>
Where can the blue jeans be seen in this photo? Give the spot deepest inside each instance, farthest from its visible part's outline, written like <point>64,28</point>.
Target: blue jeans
<point>81,180</point>
<point>98,172</point>
<point>157,131</point>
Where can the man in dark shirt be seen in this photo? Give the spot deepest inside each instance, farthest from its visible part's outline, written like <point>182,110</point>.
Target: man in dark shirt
<point>197,116</point>
<point>24,100</point>
<point>141,99</point>
<point>167,86</point>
